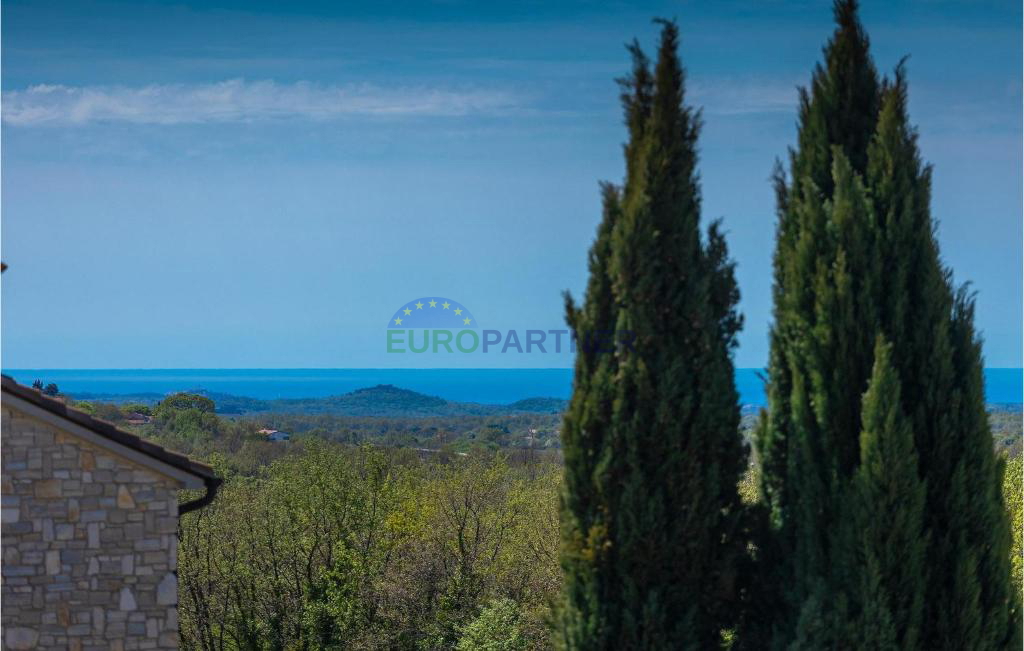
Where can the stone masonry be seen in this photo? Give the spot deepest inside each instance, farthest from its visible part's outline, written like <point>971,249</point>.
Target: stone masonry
<point>89,544</point>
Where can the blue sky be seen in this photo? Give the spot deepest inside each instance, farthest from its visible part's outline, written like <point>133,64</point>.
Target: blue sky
<point>246,184</point>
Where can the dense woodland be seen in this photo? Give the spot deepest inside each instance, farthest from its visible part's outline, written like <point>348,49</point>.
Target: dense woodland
<point>325,542</point>
<point>341,547</point>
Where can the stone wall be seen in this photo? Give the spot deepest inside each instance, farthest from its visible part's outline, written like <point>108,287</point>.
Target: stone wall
<point>89,544</point>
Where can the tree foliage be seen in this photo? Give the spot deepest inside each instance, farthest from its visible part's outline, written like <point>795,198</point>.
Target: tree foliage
<point>651,511</point>
<point>335,547</point>
<point>184,400</point>
<point>886,557</point>
<point>497,628</point>
<point>856,258</point>
<point>1013,485</point>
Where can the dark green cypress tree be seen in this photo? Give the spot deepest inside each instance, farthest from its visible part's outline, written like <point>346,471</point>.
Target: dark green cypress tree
<point>589,446</point>
<point>970,551</point>
<point>856,257</point>
<point>821,339</point>
<point>837,114</point>
<point>653,455</point>
<point>886,558</point>
<point>940,364</point>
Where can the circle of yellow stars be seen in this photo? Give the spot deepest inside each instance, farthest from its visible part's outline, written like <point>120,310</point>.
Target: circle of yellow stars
<point>419,306</point>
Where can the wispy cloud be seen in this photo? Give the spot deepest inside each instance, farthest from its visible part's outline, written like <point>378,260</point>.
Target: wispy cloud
<point>744,96</point>
<point>238,100</point>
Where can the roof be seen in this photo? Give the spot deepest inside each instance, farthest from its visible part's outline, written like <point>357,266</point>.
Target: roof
<point>108,430</point>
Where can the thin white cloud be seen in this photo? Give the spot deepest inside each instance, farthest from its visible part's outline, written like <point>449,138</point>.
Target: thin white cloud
<point>742,97</point>
<point>238,100</point>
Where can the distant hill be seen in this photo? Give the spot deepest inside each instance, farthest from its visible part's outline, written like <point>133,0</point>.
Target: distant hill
<point>391,401</point>
<point>230,404</point>
<point>383,400</point>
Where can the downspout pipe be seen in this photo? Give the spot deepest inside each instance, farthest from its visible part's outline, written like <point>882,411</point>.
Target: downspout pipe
<point>212,484</point>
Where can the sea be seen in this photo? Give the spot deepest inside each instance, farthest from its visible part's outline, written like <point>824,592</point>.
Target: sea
<point>486,386</point>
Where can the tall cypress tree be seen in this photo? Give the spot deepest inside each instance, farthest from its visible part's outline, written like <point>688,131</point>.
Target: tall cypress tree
<point>938,356</point>
<point>822,335</point>
<point>652,448</point>
<point>856,257</point>
<point>837,115</point>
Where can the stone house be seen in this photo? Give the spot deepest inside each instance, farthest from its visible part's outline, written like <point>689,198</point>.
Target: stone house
<point>89,529</point>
